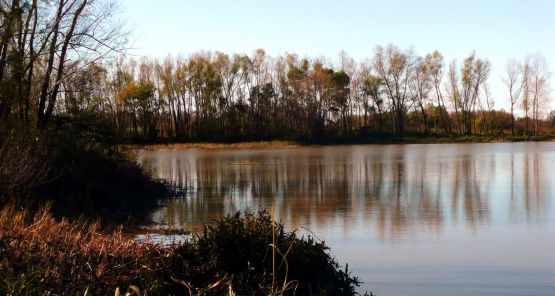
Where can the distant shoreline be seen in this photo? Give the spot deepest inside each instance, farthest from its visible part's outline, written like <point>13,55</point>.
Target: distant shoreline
<point>215,145</point>
<point>372,141</point>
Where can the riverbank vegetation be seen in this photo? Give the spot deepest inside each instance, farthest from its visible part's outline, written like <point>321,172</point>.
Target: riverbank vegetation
<point>240,255</point>
<point>384,139</point>
<point>210,145</point>
<point>73,166</point>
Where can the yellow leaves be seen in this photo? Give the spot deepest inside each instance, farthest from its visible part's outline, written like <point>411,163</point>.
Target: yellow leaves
<point>125,93</point>
<point>135,92</point>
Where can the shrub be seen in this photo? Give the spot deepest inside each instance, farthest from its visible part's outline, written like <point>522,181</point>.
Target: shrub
<point>237,253</point>
<point>23,166</point>
<point>75,164</point>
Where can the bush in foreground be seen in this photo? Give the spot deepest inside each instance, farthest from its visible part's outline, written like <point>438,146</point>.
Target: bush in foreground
<point>252,255</point>
<point>240,255</point>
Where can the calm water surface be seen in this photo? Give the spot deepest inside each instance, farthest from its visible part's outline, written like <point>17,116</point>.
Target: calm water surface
<point>445,219</point>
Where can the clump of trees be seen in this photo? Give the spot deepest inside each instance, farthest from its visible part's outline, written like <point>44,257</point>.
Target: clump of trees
<point>53,57</point>
<point>46,45</point>
<point>215,96</point>
<point>527,82</point>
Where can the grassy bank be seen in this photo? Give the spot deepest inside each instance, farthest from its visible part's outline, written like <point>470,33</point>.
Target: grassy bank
<point>211,145</point>
<point>409,139</point>
<point>417,139</point>
<point>245,254</point>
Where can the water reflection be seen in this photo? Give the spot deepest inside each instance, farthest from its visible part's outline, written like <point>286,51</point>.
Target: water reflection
<point>461,219</point>
<point>397,189</point>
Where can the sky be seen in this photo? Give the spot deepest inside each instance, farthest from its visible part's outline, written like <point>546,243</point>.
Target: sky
<point>495,29</point>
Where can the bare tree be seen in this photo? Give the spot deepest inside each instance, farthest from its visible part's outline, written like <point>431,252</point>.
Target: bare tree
<point>539,88</point>
<point>526,90</point>
<point>465,93</point>
<point>81,30</point>
<point>395,68</point>
<point>434,65</point>
<point>453,92</point>
<point>422,85</point>
<point>515,82</point>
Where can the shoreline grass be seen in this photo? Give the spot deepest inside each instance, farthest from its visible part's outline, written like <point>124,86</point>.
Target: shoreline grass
<point>44,256</point>
<point>40,255</point>
<point>388,140</point>
<point>215,145</point>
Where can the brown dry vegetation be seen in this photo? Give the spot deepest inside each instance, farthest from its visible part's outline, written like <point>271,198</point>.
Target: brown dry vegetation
<point>417,139</point>
<point>43,256</point>
<point>200,145</point>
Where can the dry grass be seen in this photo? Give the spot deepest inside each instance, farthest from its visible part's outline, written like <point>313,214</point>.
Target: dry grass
<point>59,257</point>
<point>243,145</point>
<point>42,256</point>
<point>378,140</point>
<point>22,167</point>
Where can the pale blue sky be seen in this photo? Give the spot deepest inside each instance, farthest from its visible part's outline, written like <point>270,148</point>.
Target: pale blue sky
<point>495,29</point>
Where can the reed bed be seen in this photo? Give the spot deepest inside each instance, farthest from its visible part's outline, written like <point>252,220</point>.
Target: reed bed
<point>42,256</point>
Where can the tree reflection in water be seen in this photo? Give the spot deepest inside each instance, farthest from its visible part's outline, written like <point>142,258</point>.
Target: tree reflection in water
<point>412,219</point>
<point>392,190</point>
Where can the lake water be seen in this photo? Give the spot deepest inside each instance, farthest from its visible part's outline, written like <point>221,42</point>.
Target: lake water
<point>438,219</point>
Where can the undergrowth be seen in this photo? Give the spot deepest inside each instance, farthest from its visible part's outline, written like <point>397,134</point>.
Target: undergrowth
<point>44,256</point>
<point>75,165</point>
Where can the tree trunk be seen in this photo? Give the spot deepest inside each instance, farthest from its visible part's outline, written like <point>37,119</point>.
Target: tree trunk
<point>41,119</point>
<point>61,63</point>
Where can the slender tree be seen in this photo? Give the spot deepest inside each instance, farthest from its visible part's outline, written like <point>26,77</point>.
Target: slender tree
<point>514,82</point>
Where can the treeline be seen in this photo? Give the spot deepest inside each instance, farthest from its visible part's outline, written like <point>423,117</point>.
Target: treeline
<point>215,96</point>
<point>54,61</point>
